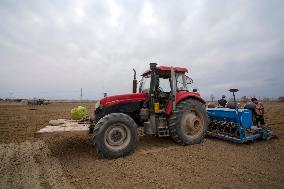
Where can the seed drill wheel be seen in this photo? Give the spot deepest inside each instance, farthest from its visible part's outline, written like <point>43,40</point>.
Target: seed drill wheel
<point>188,124</point>
<point>115,135</point>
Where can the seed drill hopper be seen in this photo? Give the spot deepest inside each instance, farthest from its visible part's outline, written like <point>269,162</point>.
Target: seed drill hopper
<point>235,125</point>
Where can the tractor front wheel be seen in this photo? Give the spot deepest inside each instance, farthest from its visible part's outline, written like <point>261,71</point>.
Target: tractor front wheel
<point>115,135</point>
<point>188,124</point>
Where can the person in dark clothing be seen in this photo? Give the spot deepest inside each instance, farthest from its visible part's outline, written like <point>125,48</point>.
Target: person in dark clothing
<point>222,102</point>
<point>259,112</point>
<point>251,106</point>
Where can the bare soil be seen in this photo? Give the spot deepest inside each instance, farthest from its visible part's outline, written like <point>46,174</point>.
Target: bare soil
<point>70,161</point>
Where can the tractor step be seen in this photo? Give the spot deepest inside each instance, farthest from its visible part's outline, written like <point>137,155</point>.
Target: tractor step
<point>163,132</point>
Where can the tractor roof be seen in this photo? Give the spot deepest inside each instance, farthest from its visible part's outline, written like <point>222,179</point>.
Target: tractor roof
<point>167,69</point>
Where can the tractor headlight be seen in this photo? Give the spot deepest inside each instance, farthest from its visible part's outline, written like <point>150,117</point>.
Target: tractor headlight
<point>98,104</point>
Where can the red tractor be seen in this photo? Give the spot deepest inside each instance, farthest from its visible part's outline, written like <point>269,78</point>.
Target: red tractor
<point>164,107</point>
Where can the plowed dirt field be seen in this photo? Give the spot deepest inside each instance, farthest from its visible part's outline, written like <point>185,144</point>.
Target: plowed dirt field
<point>70,161</point>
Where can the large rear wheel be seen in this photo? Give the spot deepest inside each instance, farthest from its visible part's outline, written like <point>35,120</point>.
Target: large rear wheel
<point>188,124</point>
<point>115,135</point>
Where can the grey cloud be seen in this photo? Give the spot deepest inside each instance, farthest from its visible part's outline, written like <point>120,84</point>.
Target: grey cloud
<point>53,48</point>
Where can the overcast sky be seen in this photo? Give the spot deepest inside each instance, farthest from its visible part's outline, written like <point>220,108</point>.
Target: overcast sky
<point>51,49</point>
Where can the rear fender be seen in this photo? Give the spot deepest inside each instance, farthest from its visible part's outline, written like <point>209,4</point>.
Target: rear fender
<point>180,96</point>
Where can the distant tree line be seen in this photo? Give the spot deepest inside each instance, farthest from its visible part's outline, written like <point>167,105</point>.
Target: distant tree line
<point>281,99</point>
<point>30,102</point>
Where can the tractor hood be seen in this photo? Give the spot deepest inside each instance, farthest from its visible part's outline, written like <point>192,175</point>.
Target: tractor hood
<point>116,99</point>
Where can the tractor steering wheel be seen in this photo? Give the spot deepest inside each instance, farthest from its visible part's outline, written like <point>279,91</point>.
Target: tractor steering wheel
<point>160,90</point>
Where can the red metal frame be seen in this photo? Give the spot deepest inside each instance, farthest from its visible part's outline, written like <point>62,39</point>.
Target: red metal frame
<point>179,97</point>
<point>116,99</point>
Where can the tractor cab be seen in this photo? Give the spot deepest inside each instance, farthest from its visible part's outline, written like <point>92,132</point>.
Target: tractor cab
<point>165,79</point>
<point>167,82</point>
<point>164,86</point>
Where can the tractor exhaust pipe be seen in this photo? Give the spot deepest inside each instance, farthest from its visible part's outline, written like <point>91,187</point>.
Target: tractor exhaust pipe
<point>134,84</point>
<point>153,66</point>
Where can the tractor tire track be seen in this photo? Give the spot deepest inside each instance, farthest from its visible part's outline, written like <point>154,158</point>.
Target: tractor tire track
<point>30,165</point>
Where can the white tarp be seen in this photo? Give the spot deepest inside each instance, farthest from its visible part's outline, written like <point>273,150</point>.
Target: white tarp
<point>62,126</point>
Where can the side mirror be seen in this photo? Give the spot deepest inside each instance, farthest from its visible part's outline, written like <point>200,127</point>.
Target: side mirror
<point>188,80</point>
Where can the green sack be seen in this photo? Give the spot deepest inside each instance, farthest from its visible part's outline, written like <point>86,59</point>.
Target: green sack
<point>78,113</point>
